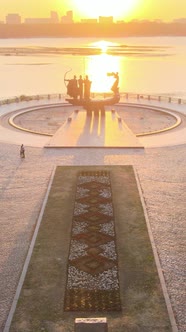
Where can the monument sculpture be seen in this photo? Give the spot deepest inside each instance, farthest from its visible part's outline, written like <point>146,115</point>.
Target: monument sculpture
<point>79,92</point>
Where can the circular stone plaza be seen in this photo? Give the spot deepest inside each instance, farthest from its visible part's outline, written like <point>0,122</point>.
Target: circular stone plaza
<point>148,134</point>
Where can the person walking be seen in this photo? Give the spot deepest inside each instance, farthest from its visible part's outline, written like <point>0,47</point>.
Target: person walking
<point>22,151</point>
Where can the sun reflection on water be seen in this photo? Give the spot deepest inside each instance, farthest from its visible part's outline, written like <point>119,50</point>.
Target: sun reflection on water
<point>97,68</point>
<point>104,45</point>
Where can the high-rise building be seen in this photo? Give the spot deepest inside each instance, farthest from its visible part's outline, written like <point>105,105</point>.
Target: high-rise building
<point>180,20</point>
<point>89,20</point>
<point>68,18</point>
<point>54,17</point>
<point>105,19</point>
<point>37,20</point>
<point>13,19</point>
<point>43,20</point>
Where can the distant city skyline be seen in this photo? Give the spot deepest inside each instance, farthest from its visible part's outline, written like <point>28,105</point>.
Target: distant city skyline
<point>126,10</point>
<point>15,18</point>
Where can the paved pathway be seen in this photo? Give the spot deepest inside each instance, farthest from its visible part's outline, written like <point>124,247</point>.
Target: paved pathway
<point>23,183</point>
<point>101,130</point>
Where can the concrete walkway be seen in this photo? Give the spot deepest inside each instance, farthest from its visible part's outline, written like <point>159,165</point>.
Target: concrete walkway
<point>97,130</point>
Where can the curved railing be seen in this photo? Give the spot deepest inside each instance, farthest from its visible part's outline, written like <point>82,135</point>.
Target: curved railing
<point>123,95</point>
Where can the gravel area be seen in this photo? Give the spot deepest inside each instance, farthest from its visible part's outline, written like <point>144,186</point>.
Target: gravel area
<point>141,120</point>
<point>23,185</point>
<point>45,121</point>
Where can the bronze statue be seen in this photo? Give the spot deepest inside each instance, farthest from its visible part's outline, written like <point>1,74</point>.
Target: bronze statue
<point>72,87</point>
<point>115,87</point>
<point>82,89</point>
<point>87,86</point>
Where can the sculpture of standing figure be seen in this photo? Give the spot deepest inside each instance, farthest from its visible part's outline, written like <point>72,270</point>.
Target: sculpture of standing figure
<point>72,88</point>
<point>87,86</point>
<point>80,86</point>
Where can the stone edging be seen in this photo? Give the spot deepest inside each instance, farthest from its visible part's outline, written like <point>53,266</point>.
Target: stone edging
<point>156,258</point>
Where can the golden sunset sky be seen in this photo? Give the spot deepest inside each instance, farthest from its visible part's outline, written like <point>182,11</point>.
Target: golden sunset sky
<point>166,10</point>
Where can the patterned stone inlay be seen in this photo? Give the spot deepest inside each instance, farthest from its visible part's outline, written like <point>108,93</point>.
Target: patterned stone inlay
<point>92,278</point>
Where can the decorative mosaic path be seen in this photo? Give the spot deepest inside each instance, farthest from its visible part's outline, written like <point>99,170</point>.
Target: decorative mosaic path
<point>73,271</point>
<point>92,281</point>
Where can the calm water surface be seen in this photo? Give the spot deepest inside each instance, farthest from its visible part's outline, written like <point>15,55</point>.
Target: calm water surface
<point>146,65</point>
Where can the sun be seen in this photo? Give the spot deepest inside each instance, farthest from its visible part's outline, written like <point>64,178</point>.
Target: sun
<point>116,8</point>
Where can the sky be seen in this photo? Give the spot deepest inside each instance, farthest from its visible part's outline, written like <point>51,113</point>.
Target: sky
<point>166,10</point>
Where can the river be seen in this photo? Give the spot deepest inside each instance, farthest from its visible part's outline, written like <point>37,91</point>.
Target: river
<point>155,65</point>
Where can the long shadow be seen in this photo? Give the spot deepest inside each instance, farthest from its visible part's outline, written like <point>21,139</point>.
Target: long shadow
<point>94,130</point>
